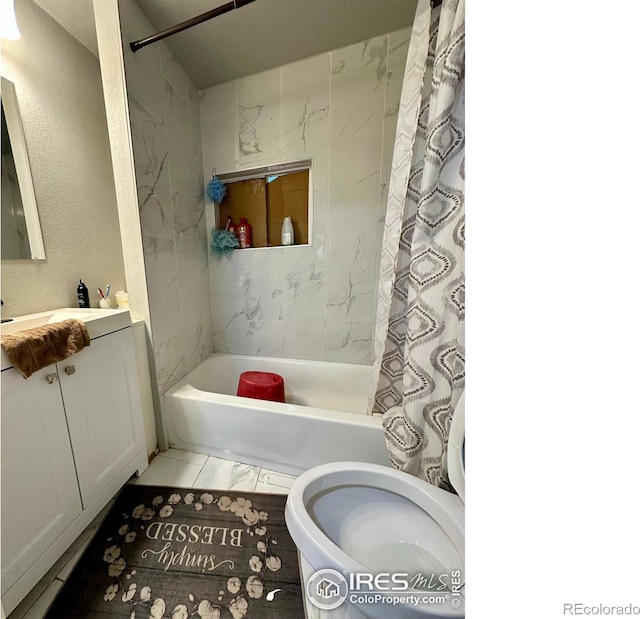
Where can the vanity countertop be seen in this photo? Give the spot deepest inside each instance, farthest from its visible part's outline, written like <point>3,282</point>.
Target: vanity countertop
<point>98,322</point>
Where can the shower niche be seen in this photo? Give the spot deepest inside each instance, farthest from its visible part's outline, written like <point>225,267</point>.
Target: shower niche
<point>265,197</point>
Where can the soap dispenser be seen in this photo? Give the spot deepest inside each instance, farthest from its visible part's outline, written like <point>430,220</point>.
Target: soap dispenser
<point>83,295</point>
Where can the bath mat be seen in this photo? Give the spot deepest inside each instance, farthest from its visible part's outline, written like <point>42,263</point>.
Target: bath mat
<point>178,553</point>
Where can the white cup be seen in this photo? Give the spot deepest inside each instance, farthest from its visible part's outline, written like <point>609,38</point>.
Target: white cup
<point>105,303</point>
<point>122,299</point>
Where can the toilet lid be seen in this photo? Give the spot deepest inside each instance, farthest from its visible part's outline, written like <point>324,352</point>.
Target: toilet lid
<point>455,450</point>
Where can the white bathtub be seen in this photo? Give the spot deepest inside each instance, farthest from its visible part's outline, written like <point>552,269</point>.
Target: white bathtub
<point>323,420</point>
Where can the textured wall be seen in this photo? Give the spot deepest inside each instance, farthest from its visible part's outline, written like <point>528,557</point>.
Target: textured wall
<point>165,131</point>
<point>59,92</point>
<point>339,108</point>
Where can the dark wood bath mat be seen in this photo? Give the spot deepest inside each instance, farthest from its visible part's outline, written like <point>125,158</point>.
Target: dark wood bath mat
<point>179,553</point>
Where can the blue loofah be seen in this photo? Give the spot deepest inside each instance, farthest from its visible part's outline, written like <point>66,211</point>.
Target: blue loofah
<point>223,241</point>
<point>216,190</point>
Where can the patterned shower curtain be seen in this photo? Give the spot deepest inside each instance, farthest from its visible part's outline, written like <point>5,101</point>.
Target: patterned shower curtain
<point>419,333</point>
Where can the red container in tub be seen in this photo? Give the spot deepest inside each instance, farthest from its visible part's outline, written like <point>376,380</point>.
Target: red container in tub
<point>261,386</point>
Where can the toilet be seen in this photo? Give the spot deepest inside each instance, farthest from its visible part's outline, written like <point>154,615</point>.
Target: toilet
<point>375,542</point>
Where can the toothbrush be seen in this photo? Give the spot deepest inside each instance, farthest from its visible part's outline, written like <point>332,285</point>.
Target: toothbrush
<point>100,293</point>
<point>108,289</point>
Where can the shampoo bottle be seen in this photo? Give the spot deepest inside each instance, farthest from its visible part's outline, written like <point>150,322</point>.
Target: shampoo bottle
<point>244,233</point>
<point>287,232</point>
<point>83,295</point>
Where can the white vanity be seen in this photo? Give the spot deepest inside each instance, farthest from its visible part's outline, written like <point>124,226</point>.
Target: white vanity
<point>72,435</point>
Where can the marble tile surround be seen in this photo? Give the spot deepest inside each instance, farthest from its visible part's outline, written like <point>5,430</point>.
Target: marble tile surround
<point>165,127</point>
<point>340,109</point>
<point>313,302</point>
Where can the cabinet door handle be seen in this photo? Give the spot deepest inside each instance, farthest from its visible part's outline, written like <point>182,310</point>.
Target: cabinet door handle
<point>52,378</point>
<point>70,369</point>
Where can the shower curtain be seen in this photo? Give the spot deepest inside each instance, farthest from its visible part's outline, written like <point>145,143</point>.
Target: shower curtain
<point>419,333</point>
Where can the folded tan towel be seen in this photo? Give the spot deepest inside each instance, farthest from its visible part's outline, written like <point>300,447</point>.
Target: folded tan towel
<point>32,349</point>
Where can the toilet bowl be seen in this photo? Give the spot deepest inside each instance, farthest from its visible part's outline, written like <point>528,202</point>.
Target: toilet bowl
<point>376,542</point>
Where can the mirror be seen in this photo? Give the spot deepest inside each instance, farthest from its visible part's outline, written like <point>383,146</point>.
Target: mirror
<point>21,234</point>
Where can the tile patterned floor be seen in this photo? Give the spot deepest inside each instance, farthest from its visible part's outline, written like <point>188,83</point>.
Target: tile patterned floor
<point>183,469</point>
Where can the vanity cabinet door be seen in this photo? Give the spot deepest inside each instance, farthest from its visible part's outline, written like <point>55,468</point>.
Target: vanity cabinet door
<point>104,411</point>
<point>40,495</point>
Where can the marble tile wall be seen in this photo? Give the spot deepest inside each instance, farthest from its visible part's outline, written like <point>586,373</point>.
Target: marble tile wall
<point>340,109</point>
<point>165,128</point>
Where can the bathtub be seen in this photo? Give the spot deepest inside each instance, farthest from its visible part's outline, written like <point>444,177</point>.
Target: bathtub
<point>322,421</point>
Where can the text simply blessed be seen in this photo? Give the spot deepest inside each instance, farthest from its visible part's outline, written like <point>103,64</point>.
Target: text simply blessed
<point>190,534</point>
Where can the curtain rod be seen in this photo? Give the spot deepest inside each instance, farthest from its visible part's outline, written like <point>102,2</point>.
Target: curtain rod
<point>194,21</point>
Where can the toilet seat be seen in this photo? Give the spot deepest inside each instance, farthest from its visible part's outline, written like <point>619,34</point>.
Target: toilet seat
<point>442,512</point>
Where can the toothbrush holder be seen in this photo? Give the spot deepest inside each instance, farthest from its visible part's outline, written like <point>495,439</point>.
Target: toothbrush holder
<point>105,303</point>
